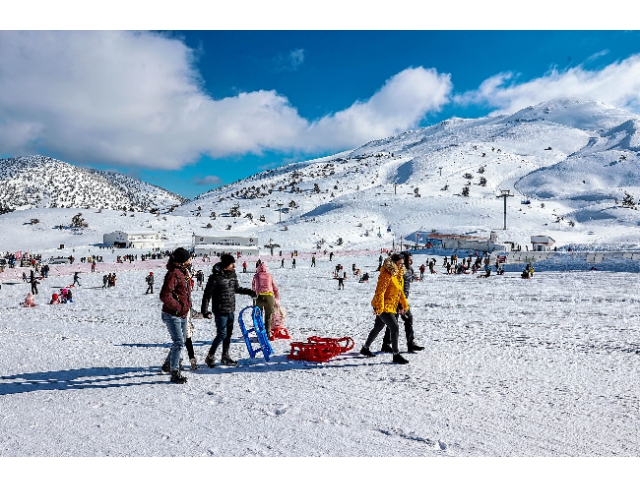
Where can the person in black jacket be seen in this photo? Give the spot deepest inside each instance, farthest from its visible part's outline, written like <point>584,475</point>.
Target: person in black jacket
<point>221,291</point>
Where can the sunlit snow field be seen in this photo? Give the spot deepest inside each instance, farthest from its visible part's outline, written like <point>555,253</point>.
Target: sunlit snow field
<point>545,367</point>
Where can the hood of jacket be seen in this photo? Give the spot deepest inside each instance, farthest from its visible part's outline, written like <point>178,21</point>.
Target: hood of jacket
<point>390,267</point>
<point>262,268</point>
<point>219,271</point>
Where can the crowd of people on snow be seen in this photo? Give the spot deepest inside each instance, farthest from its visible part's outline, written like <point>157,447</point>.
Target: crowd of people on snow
<point>390,299</point>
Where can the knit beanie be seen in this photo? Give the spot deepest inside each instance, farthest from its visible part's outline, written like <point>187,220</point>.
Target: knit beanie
<point>180,255</point>
<point>225,260</point>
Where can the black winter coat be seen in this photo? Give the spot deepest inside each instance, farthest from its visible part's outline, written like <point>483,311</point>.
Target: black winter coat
<point>221,291</point>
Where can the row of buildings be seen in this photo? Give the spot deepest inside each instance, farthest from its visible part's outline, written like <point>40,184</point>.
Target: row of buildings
<point>216,245</point>
<point>201,244</point>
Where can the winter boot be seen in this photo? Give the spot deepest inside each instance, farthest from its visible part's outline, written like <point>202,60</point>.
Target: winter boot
<point>386,348</point>
<point>177,377</point>
<point>366,352</point>
<point>399,359</point>
<point>210,361</point>
<point>412,347</point>
<point>166,368</point>
<point>226,360</point>
<point>194,364</point>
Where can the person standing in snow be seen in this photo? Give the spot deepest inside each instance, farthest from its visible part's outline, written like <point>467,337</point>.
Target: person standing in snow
<point>282,264</point>
<point>176,303</point>
<point>34,283</point>
<point>330,256</point>
<point>341,278</point>
<point>268,295</point>
<point>93,266</point>
<point>422,269</point>
<point>388,299</point>
<point>150,280</point>
<point>221,291</point>
<point>76,278</point>
<point>313,261</point>
<point>293,263</point>
<point>407,317</point>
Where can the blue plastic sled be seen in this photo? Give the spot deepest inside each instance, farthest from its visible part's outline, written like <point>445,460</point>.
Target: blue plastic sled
<point>259,330</point>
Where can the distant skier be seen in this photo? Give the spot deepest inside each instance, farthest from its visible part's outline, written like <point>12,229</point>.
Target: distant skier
<point>293,263</point>
<point>105,281</point>
<point>93,267</point>
<point>76,279</point>
<point>330,256</point>
<point>422,269</point>
<point>244,267</point>
<point>150,280</point>
<point>282,264</point>
<point>341,278</point>
<point>313,261</point>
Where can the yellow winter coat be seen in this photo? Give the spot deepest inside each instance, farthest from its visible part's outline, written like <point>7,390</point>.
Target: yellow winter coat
<point>390,289</point>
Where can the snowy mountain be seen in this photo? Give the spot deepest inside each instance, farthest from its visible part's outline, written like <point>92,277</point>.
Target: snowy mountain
<point>572,159</point>
<point>36,181</point>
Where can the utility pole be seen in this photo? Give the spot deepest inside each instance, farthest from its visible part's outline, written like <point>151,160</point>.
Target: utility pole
<point>280,211</point>
<point>505,193</point>
<point>395,190</point>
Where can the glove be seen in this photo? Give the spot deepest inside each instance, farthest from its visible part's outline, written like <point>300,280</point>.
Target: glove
<point>254,295</point>
<point>207,315</point>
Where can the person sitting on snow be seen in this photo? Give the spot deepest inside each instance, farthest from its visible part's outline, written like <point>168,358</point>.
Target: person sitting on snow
<point>55,299</point>
<point>29,301</point>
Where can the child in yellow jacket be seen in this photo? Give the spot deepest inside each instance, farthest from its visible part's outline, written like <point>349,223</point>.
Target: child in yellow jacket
<point>387,300</point>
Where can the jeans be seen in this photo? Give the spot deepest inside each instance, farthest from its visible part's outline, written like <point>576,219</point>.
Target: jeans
<point>391,322</point>
<point>178,330</point>
<point>408,329</point>
<point>224,328</point>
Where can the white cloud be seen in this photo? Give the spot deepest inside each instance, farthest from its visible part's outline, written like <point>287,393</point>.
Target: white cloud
<point>617,84</point>
<point>292,61</point>
<point>207,181</point>
<point>135,99</point>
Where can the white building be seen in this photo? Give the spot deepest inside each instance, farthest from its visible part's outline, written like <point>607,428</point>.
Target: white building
<point>542,243</point>
<point>217,245</point>
<point>135,239</point>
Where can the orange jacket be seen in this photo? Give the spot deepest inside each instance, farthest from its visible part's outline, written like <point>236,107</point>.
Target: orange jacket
<point>390,289</point>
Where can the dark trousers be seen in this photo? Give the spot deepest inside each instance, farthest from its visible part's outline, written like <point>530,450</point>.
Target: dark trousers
<point>34,288</point>
<point>189,344</point>
<point>149,289</point>
<point>391,322</point>
<point>224,328</point>
<point>408,329</point>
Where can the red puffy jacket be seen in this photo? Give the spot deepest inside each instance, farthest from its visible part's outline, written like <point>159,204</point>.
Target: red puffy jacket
<point>176,291</point>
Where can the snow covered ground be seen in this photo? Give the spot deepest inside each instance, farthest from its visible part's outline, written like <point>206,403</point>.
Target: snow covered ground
<point>545,367</point>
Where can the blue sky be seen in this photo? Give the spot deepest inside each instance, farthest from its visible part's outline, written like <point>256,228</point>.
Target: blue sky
<point>190,110</point>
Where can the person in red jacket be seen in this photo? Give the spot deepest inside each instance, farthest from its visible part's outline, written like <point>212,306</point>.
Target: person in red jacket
<point>176,303</point>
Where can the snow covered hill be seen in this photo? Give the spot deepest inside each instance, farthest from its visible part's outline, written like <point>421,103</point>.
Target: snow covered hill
<point>573,159</point>
<point>36,181</point>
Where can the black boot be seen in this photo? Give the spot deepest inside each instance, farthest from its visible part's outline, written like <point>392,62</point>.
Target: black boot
<point>210,361</point>
<point>166,368</point>
<point>399,359</point>
<point>226,360</point>
<point>412,347</point>
<point>177,377</point>
<point>366,352</point>
<point>386,348</point>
